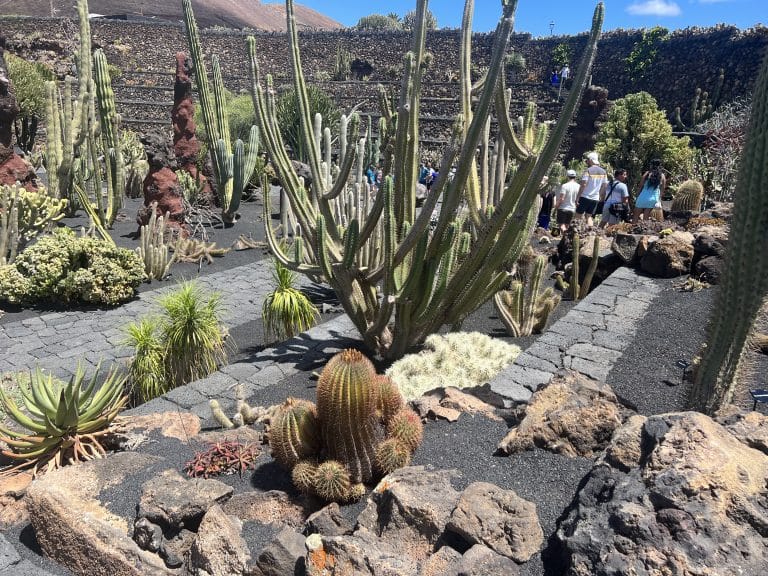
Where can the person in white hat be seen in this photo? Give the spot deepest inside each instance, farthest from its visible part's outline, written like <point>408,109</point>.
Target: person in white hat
<point>594,181</point>
<point>566,201</point>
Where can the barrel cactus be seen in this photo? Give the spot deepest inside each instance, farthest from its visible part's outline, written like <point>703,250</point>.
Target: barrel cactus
<point>688,197</point>
<point>360,430</point>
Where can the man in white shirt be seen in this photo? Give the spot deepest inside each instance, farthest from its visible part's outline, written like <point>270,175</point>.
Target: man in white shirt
<point>566,201</point>
<point>594,181</point>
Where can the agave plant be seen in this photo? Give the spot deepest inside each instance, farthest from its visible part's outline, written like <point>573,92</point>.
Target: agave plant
<point>63,423</point>
<point>287,311</point>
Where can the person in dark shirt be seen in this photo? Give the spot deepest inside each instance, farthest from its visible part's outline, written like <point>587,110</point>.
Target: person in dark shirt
<point>547,203</point>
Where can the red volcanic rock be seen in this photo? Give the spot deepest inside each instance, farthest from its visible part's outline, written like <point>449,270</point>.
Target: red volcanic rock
<point>17,169</point>
<point>161,184</point>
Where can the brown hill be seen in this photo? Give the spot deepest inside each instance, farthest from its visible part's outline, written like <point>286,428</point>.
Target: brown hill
<point>228,13</point>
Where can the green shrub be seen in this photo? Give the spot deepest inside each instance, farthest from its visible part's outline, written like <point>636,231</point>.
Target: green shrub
<point>561,55</point>
<point>287,311</point>
<point>635,132</point>
<point>29,88</point>
<point>240,114</point>
<point>460,359</point>
<point>67,268</point>
<point>147,374</point>
<point>643,55</point>
<point>409,20</point>
<point>289,119</point>
<point>377,22</point>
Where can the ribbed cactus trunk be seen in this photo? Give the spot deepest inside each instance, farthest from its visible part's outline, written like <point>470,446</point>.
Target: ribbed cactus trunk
<point>346,398</point>
<point>744,283</point>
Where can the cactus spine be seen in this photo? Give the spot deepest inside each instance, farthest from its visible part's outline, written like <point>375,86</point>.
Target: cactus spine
<point>152,247</point>
<point>744,284</point>
<point>523,308</point>
<point>426,280</point>
<point>359,430</point>
<point>688,197</point>
<point>232,169</point>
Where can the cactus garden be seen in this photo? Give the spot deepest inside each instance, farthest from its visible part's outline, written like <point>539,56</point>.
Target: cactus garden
<point>387,299</point>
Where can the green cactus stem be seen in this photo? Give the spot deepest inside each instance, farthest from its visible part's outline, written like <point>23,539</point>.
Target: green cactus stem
<point>332,482</point>
<point>346,400</point>
<point>391,455</point>
<point>688,197</point>
<point>406,427</point>
<point>294,433</point>
<point>398,279</point>
<point>303,475</point>
<point>152,247</point>
<point>744,283</point>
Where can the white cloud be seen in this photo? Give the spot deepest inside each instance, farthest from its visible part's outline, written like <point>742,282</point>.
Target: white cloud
<point>713,1</point>
<point>654,8</point>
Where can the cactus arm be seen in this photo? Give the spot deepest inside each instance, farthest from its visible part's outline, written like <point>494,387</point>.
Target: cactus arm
<point>346,165</point>
<point>575,272</point>
<point>584,289</point>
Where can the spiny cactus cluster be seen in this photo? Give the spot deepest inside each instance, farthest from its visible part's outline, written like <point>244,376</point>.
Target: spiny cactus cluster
<point>688,197</point>
<point>702,105</point>
<point>359,430</point>
<point>152,247</point>
<point>574,290</point>
<point>23,216</point>
<point>523,309</point>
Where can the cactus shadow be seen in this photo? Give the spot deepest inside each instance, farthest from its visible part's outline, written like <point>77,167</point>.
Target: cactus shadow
<point>270,476</point>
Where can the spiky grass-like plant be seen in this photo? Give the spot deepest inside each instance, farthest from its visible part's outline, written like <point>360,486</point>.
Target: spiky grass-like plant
<point>63,423</point>
<point>146,374</point>
<point>192,332</point>
<point>286,310</point>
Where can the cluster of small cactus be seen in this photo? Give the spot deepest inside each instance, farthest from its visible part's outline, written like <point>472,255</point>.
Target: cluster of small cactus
<point>152,247</point>
<point>523,309</point>
<point>23,216</point>
<point>359,430</point>
<point>702,105</point>
<point>688,197</point>
<point>575,290</point>
<point>244,413</point>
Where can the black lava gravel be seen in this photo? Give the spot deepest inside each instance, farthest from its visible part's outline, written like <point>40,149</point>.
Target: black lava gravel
<point>647,376</point>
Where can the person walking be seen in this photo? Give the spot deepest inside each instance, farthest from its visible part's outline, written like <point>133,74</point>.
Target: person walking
<point>594,181</point>
<point>566,201</point>
<point>545,212</point>
<point>616,205</point>
<point>652,186</point>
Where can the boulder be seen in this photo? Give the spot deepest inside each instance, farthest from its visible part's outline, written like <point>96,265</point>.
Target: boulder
<point>670,256</point>
<point>498,519</point>
<point>709,269</point>
<point>161,184</point>
<point>329,521</point>
<point>219,548</point>
<point>717,233</point>
<point>572,415</point>
<point>13,509</point>
<point>74,529</point>
<point>482,561</point>
<point>172,501</point>
<point>283,555</point>
<point>625,246</point>
<point>409,509</point>
<point>274,506</point>
<point>688,498</point>
<point>706,245</point>
<point>17,169</point>
<point>363,554</point>
<point>750,428</point>
<point>449,403</point>
<point>441,562</point>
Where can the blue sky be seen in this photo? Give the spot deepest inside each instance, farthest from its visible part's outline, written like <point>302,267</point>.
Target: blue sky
<point>569,16</point>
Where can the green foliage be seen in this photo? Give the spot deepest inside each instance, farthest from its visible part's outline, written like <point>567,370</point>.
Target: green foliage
<point>461,359</point>
<point>136,164</point>
<point>147,369</point>
<point>61,423</point>
<point>342,67</point>
<point>409,20</point>
<point>578,288</point>
<point>192,332</point>
<point>239,111</point>
<point>378,22</point>
<point>359,430</point>
<point>644,51</point>
<point>24,215</point>
<point>289,117</point>
<point>635,132</point>
<point>562,55</point>
<point>69,269</point>
<point>29,88</point>
<point>287,311</point>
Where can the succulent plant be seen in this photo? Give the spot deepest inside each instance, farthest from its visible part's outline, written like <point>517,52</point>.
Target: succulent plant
<point>573,289</point>
<point>359,430</point>
<point>62,422</point>
<point>688,197</point>
<point>226,457</point>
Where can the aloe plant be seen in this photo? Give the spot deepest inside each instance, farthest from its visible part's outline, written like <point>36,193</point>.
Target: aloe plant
<point>397,280</point>
<point>62,423</point>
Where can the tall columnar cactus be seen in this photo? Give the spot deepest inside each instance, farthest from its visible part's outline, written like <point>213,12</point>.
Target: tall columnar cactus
<point>359,430</point>
<point>744,283</point>
<point>702,106</point>
<point>578,289</point>
<point>523,308</point>
<point>398,281</point>
<point>688,197</point>
<point>232,169</point>
<point>152,247</point>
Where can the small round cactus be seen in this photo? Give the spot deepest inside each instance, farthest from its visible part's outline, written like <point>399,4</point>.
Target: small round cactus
<point>294,434</point>
<point>331,481</point>
<point>389,400</point>
<point>391,455</point>
<point>406,427</point>
<point>303,475</point>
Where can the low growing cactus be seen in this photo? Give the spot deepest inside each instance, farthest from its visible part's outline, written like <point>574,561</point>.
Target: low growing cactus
<point>359,431</point>
<point>688,197</point>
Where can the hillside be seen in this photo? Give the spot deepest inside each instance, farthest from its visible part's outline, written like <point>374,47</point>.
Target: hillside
<point>229,13</point>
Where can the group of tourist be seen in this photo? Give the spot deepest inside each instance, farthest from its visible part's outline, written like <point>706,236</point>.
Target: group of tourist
<point>594,193</point>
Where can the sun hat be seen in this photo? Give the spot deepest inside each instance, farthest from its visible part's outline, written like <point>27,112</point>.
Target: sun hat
<point>593,157</point>
<point>571,173</point>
